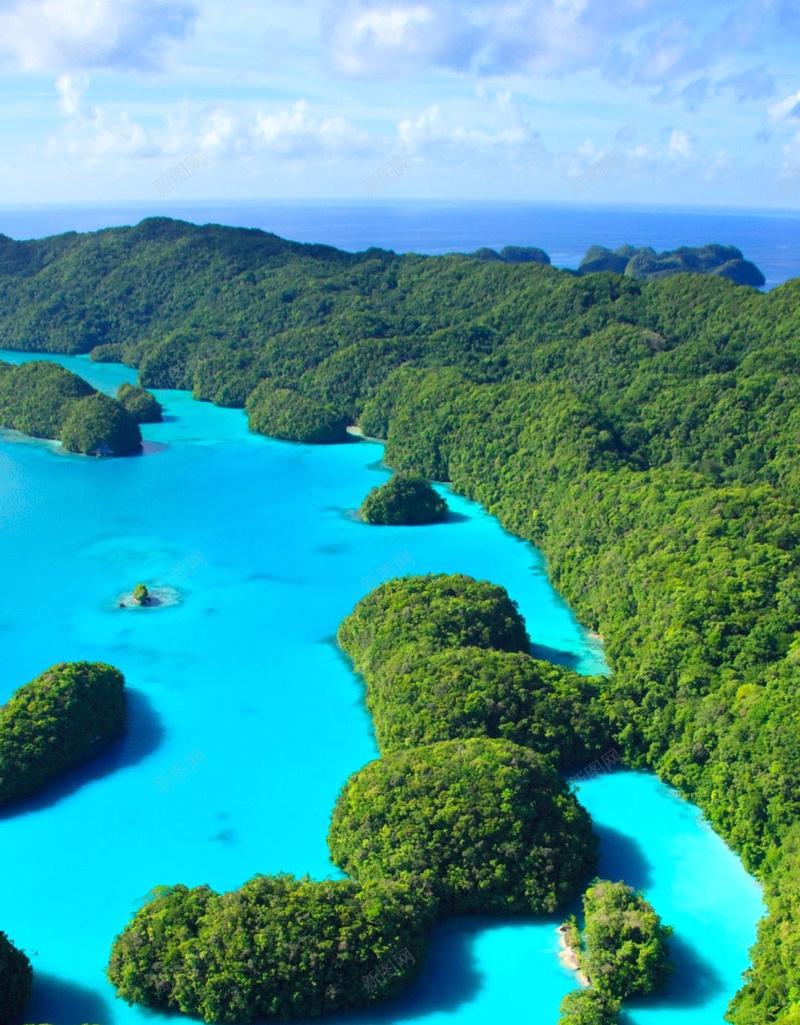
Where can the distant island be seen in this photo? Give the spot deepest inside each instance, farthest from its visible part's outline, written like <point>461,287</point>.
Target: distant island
<point>644,263</point>
<point>44,400</point>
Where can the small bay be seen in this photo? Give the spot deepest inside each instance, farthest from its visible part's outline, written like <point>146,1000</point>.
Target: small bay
<point>241,691</point>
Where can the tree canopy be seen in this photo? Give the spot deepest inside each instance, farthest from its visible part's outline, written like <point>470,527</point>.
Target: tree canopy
<point>16,980</point>
<point>491,826</point>
<point>56,721</point>
<point>100,426</point>
<point>44,400</point>
<point>435,611</point>
<point>143,406</point>
<point>275,949</point>
<point>404,499</point>
<point>641,430</point>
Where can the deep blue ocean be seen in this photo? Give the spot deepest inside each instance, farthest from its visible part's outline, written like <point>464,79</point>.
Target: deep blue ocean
<point>772,241</point>
<point>242,681</point>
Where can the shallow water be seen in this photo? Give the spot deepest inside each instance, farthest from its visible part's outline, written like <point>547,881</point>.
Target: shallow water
<point>241,689</point>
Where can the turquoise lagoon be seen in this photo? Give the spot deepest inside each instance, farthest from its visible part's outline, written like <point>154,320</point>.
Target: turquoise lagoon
<point>242,678</point>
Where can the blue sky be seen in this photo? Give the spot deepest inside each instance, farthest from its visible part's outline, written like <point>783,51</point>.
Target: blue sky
<point>677,101</point>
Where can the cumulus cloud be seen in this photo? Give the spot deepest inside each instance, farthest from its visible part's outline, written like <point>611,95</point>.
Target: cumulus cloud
<point>74,35</point>
<point>491,132</point>
<point>90,132</point>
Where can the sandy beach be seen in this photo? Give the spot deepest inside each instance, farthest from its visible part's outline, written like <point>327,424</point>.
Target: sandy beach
<point>568,956</point>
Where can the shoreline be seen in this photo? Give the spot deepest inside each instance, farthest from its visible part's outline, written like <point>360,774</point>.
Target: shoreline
<point>569,957</point>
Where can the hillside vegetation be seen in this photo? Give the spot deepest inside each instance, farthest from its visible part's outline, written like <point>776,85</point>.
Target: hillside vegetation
<point>645,434</point>
<point>46,401</point>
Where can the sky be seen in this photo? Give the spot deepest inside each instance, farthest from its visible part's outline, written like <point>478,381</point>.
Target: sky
<point>661,102</point>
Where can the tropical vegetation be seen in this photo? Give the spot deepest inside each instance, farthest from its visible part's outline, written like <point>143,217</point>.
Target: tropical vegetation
<point>142,405</point>
<point>490,826</point>
<point>55,722</point>
<point>405,499</point>
<point>275,949</point>
<point>46,401</point>
<point>642,432</point>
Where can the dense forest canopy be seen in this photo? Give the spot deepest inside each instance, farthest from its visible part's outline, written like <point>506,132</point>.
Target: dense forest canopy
<point>275,949</point>
<point>490,826</point>
<point>64,716</point>
<point>644,433</point>
<point>404,499</point>
<point>481,825</point>
<point>140,403</point>
<point>46,401</point>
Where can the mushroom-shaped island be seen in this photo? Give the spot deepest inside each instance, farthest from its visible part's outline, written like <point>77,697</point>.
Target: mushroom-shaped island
<point>404,500</point>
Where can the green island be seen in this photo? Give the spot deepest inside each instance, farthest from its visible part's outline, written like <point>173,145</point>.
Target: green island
<point>435,672</point>
<point>645,264</point>
<point>63,717</point>
<point>404,499</point>
<point>489,825</point>
<point>622,952</point>
<point>663,491</point>
<point>479,825</point>
<point>274,916</point>
<point>142,405</point>
<point>421,697</point>
<point>45,401</point>
<point>277,948</point>
<point>431,613</point>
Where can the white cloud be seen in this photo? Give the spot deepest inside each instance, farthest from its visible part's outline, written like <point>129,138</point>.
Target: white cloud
<point>786,111</point>
<point>680,145</point>
<point>90,132</point>
<point>646,42</point>
<point>70,35</point>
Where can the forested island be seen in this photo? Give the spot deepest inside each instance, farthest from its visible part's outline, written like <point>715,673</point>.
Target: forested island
<point>621,952</point>
<point>55,722</point>
<point>480,825</point>
<point>642,433</point>
<point>404,499</point>
<point>140,403</point>
<point>644,263</point>
<point>44,400</point>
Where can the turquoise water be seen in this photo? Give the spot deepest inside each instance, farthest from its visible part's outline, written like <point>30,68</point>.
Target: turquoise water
<point>242,683</point>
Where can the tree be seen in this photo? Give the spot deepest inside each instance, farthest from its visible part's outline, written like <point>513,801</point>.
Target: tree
<point>16,980</point>
<point>589,1007</point>
<point>489,825</point>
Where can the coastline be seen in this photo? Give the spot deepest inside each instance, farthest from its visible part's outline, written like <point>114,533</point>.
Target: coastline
<point>568,956</point>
